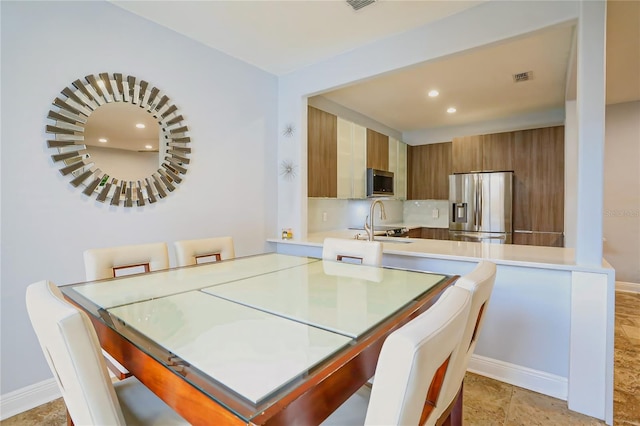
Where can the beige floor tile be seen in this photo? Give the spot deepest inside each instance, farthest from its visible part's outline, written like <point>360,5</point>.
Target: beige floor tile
<point>486,401</point>
<point>50,414</point>
<point>626,408</point>
<point>531,408</point>
<point>632,332</point>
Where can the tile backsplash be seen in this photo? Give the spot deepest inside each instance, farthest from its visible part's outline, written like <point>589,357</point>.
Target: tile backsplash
<point>326,214</point>
<point>423,212</point>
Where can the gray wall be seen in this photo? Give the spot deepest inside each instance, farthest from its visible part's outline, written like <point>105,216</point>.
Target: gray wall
<point>621,221</point>
<point>230,187</point>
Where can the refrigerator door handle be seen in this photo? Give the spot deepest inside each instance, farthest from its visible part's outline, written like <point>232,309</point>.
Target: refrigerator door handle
<point>480,207</point>
<point>476,202</point>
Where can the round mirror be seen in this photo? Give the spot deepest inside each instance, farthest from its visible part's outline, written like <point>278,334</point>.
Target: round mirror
<point>121,139</point>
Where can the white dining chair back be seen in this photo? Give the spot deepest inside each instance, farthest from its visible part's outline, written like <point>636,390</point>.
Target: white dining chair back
<point>192,252</point>
<point>109,262</point>
<point>479,283</point>
<point>352,251</point>
<point>413,367</point>
<point>71,348</point>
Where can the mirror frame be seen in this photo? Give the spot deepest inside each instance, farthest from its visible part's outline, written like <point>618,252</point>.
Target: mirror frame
<point>70,115</point>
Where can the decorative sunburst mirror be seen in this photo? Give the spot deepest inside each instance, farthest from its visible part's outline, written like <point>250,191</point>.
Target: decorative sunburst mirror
<point>125,126</point>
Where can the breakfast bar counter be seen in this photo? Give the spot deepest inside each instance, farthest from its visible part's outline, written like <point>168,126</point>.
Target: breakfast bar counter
<point>550,324</point>
<point>502,254</point>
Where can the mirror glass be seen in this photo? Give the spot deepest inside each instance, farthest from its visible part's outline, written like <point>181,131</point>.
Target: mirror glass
<point>120,138</point>
<point>124,140</point>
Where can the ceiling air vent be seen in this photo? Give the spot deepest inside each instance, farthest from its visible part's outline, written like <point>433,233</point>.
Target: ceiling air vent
<point>523,76</point>
<point>359,4</point>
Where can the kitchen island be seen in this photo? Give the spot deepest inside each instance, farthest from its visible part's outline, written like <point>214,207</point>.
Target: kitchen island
<point>549,325</point>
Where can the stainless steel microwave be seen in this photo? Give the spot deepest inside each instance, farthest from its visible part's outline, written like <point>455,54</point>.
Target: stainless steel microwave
<point>379,183</point>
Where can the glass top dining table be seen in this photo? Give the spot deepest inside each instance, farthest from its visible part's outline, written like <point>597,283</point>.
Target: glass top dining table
<point>258,339</point>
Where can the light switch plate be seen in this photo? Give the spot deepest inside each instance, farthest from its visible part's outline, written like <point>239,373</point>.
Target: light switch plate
<point>435,213</point>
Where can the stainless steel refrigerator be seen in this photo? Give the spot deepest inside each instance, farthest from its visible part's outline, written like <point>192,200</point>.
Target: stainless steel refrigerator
<point>480,207</point>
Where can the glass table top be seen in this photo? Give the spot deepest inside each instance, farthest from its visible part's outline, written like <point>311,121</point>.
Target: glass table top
<point>339,297</point>
<point>250,351</point>
<point>255,325</point>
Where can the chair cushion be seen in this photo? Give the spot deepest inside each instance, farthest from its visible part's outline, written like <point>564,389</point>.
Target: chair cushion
<point>140,406</point>
<point>353,411</point>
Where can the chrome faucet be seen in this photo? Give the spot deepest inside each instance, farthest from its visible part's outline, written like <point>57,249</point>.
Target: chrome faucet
<point>368,223</point>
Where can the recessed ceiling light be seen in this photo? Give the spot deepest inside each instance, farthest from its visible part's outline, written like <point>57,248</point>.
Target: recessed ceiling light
<point>451,110</point>
<point>140,126</point>
<point>148,146</point>
<point>433,93</point>
<point>102,140</point>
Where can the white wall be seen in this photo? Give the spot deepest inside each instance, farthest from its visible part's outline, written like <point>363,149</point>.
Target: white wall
<point>621,222</point>
<point>230,187</point>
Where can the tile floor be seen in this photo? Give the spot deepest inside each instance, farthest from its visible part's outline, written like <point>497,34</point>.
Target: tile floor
<point>490,402</point>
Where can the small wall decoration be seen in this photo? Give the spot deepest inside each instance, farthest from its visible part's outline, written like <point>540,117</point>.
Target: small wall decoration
<point>288,170</point>
<point>288,131</point>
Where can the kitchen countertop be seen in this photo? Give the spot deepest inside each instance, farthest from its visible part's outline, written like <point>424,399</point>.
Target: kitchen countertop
<point>506,254</point>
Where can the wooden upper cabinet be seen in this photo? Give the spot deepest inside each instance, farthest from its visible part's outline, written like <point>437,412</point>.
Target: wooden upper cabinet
<point>322,148</point>
<point>467,154</point>
<point>498,152</point>
<point>428,170</point>
<point>377,150</point>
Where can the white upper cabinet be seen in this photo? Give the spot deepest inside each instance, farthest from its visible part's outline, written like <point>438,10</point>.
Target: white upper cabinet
<point>398,165</point>
<point>352,160</point>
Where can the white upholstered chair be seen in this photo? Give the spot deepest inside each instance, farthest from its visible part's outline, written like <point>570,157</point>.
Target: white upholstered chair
<point>71,348</point>
<point>192,252</point>
<point>479,283</point>
<point>352,251</point>
<point>413,368</point>
<point>109,262</point>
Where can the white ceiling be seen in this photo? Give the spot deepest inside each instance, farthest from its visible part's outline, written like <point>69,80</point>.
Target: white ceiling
<point>283,36</point>
<point>479,84</point>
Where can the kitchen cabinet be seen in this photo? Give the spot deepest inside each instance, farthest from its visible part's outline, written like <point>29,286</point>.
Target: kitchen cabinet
<point>435,233</point>
<point>428,170</point>
<point>377,150</point>
<point>466,154</point>
<point>398,165</point>
<point>429,233</point>
<point>498,152</point>
<point>539,185</point>
<point>352,160</point>
<point>487,153</point>
<point>414,233</point>
<point>538,239</point>
<point>322,162</point>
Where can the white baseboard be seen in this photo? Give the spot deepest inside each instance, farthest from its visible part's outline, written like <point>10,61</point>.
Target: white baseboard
<point>628,287</point>
<point>535,380</point>
<point>28,397</point>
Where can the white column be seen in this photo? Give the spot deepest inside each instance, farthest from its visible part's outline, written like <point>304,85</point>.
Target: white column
<point>590,112</point>
<point>591,345</point>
